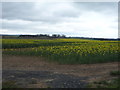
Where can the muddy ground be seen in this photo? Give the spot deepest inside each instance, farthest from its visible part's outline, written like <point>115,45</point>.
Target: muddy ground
<point>37,72</point>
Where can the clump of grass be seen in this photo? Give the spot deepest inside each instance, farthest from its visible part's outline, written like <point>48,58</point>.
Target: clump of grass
<point>9,84</point>
<point>115,73</point>
<point>114,83</point>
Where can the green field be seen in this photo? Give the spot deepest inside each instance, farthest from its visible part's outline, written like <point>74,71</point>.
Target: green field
<point>64,51</point>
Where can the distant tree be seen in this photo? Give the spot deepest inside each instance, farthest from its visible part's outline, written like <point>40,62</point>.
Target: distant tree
<point>44,36</point>
<point>54,35</point>
<point>63,36</point>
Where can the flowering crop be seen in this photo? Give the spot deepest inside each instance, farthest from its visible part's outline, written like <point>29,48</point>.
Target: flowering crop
<point>65,51</point>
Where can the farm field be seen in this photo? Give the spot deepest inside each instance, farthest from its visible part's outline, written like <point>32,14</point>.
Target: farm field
<point>59,63</point>
<point>64,51</point>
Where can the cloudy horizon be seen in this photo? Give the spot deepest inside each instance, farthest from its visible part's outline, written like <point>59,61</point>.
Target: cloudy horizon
<point>78,19</point>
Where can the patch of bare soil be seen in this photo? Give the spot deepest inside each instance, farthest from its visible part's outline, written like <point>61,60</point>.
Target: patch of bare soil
<point>93,72</point>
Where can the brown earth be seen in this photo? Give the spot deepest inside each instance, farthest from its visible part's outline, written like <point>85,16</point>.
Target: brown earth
<point>94,71</point>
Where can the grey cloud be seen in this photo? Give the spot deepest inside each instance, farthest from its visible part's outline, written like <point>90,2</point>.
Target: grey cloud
<point>14,26</point>
<point>14,10</point>
<point>48,12</point>
<point>96,6</point>
<point>27,11</point>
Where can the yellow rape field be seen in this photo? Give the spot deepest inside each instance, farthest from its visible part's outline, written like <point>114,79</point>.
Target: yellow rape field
<point>64,51</point>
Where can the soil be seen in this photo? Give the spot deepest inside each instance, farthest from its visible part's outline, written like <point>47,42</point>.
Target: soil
<point>37,72</point>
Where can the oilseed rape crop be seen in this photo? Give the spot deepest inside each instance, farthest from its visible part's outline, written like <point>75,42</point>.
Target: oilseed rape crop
<point>64,51</point>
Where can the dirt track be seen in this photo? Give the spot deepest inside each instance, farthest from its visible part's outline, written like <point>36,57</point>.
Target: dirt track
<point>27,69</point>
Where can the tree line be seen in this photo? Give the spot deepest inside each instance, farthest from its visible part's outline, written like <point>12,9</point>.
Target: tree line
<point>44,36</point>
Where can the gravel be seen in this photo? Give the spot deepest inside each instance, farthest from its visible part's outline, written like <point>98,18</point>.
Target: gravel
<point>51,79</point>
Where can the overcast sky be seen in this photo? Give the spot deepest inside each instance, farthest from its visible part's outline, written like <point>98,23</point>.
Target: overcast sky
<point>88,19</point>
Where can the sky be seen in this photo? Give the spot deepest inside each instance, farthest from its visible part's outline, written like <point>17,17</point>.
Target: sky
<point>77,19</point>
